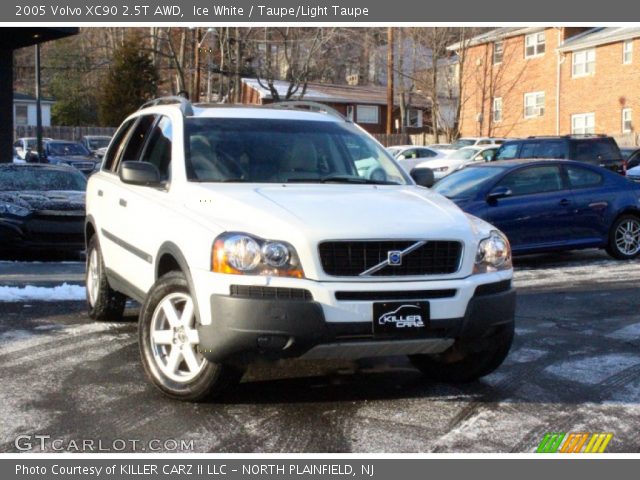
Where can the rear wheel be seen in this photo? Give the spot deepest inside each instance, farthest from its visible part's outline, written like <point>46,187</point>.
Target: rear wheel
<point>624,238</point>
<point>461,364</point>
<point>105,304</point>
<point>169,344</point>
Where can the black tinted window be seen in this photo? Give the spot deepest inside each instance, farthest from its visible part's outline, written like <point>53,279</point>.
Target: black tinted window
<point>116,146</point>
<point>607,150</point>
<point>529,150</point>
<point>540,179</point>
<point>138,137</point>
<point>551,150</point>
<point>507,151</point>
<point>158,150</point>
<point>585,152</point>
<point>424,153</point>
<point>583,177</point>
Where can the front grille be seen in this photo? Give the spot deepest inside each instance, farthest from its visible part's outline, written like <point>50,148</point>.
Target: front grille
<point>350,259</point>
<point>270,293</point>
<point>397,295</point>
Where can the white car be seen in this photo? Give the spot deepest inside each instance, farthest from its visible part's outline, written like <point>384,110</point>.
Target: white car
<point>408,156</point>
<point>26,144</point>
<point>476,142</point>
<point>457,159</point>
<point>634,174</point>
<point>248,233</point>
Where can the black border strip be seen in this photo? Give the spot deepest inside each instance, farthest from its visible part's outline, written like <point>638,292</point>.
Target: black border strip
<point>127,246</point>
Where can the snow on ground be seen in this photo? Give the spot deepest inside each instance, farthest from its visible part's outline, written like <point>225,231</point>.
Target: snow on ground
<point>596,272</point>
<point>42,294</point>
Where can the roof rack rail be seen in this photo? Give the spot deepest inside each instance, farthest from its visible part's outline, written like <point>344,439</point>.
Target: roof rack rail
<point>572,135</point>
<point>185,105</point>
<point>306,105</point>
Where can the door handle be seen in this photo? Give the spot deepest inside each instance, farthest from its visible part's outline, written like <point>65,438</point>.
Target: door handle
<point>564,202</point>
<point>123,202</point>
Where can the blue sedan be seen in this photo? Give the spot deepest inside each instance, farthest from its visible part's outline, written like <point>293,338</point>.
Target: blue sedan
<point>551,205</point>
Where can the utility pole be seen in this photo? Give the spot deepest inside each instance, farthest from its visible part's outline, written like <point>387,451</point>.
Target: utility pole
<point>195,96</point>
<point>389,80</point>
<point>38,106</point>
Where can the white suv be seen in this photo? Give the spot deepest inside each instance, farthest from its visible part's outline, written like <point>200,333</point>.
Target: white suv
<point>285,231</point>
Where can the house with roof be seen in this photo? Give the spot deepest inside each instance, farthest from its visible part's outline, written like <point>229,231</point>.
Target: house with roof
<point>363,104</point>
<point>551,81</point>
<point>24,110</point>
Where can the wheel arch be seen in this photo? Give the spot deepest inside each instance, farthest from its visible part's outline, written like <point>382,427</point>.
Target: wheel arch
<point>89,229</point>
<point>171,259</point>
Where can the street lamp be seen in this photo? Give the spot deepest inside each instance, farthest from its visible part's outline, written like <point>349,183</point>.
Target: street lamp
<point>196,94</point>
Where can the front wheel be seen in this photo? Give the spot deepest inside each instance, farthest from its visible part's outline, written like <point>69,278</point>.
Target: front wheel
<point>624,238</point>
<point>169,344</point>
<point>459,365</point>
<point>105,304</point>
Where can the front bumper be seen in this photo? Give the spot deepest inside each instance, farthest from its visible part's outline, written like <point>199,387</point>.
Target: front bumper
<point>243,327</point>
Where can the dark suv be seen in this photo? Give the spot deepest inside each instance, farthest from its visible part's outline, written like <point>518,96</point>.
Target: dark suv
<point>594,149</point>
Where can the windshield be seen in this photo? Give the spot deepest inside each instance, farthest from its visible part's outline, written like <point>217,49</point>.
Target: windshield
<point>464,154</point>
<point>463,142</point>
<point>467,182</point>
<point>41,179</point>
<point>96,143</point>
<point>66,149</point>
<point>285,151</point>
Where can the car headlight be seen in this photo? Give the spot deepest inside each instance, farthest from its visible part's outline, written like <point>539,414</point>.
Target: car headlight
<point>12,209</point>
<point>243,254</point>
<point>494,253</point>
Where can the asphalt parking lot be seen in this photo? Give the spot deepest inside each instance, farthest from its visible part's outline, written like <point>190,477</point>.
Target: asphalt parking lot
<point>574,367</point>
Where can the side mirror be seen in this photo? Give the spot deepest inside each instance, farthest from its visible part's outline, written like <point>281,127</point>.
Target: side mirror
<point>423,177</point>
<point>499,192</point>
<point>490,157</point>
<point>140,173</point>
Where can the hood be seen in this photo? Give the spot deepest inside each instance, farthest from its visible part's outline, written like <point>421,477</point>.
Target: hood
<point>49,200</point>
<point>322,212</point>
<point>71,158</point>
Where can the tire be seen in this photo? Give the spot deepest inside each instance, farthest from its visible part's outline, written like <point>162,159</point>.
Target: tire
<point>460,365</point>
<point>105,304</point>
<point>171,360</point>
<point>624,238</point>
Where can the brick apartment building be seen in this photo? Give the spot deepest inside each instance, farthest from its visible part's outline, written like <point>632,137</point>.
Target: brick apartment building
<point>518,82</point>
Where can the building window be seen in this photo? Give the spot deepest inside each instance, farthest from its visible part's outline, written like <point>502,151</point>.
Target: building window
<point>498,52</point>
<point>497,109</point>
<point>583,123</point>
<point>627,126</point>
<point>627,51</point>
<point>350,113</point>
<point>367,114</point>
<point>533,104</point>
<point>22,115</point>
<point>534,44</point>
<point>414,118</point>
<point>584,62</point>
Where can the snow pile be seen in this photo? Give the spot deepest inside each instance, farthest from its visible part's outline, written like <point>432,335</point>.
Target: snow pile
<point>42,294</point>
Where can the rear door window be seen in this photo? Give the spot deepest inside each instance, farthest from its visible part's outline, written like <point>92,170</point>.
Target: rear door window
<point>538,179</point>
<point>529,150</point>
<point>554,149</point>
<point>586,151</point>
<point>580,177</point>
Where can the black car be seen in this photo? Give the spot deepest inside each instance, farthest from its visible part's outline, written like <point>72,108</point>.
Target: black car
<point>61,152</point>
<point>593,149</point>
<point>41,207</point>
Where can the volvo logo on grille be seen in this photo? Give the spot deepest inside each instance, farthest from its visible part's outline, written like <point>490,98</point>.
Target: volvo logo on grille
<point>394,257</point>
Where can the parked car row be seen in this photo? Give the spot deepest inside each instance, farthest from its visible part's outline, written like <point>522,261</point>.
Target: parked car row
<point>85,155</point>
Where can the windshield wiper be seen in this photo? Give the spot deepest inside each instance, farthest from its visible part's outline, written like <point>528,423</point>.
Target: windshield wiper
<point>352,179</point>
